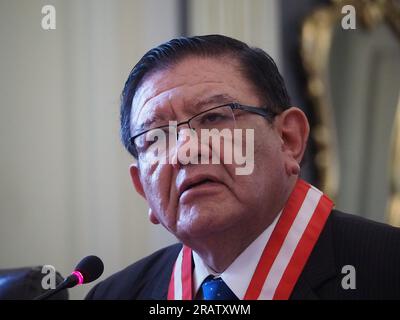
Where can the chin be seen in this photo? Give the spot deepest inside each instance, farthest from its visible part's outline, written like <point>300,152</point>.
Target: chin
<point>203,222</point>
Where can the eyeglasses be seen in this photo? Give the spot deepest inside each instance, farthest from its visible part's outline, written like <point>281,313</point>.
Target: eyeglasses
<point>220,117</point>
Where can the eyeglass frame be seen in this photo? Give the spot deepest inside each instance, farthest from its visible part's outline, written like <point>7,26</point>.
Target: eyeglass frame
<point>265,112</point>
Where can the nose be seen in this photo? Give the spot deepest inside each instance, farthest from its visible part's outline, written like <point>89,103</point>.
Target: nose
<point>183,132</point>
<point>187,147</point>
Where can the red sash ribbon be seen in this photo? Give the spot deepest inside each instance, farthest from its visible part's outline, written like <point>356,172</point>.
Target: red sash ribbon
<point>284,255</point>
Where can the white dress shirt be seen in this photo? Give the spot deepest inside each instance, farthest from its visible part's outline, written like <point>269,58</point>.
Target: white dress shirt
<point>238,275</point>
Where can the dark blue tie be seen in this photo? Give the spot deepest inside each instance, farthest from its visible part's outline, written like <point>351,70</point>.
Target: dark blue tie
<point>216,289</point>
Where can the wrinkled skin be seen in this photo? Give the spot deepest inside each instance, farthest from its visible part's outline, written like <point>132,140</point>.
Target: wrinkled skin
<point>218,220</point>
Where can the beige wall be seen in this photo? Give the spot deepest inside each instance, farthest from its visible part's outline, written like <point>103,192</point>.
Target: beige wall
<point>256,21</point>
<point>65,190</point>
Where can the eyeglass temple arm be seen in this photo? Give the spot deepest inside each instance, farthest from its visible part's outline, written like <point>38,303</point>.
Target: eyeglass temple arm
<point>261,111</point>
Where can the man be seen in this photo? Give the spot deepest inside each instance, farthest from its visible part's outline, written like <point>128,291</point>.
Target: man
<point>265,234</point>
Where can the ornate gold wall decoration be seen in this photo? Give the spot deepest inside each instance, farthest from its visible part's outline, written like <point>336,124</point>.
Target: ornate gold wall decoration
<point>394,203</point>
<point>316,41</point>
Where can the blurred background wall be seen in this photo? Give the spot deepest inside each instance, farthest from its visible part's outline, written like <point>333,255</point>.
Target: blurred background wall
<point>65,190</point>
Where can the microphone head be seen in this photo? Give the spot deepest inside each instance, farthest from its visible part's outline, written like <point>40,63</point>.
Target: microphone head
<point>90,268</point>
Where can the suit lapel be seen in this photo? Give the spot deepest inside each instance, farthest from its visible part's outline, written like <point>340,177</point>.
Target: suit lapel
<point>319,268</point>
<point>160,283</point>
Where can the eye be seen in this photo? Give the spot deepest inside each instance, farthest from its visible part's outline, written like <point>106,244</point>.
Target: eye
<point>152,137</point>
<point>213,117</point>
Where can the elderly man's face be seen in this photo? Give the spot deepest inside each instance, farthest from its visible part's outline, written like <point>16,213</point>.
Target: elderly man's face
<point>222,200</point>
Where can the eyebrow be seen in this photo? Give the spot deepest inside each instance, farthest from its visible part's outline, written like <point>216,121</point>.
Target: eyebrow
<point>145,125</point>
<point>217,98</point>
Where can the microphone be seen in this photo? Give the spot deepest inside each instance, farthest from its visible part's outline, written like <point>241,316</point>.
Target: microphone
<point>87,270</point>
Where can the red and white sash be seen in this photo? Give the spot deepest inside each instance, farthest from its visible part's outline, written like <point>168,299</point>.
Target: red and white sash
<point>284,255</point>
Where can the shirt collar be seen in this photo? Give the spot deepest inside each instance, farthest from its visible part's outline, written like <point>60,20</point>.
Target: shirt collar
<point>238,275</point>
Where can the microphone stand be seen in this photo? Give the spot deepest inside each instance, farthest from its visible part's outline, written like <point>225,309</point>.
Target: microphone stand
<point>69,282</point>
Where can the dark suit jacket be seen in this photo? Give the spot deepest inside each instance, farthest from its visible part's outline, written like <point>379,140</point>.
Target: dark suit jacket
<point>372,248</point>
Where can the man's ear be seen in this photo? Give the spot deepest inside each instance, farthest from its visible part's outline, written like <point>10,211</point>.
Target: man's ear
<point>152,217</point>
<point>134,170</point>
<point>294,130</point>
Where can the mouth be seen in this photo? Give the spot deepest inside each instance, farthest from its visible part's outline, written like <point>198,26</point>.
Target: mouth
<point>200,182</point>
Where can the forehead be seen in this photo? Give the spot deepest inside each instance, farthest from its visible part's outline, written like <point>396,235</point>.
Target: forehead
<point>176,90</point>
